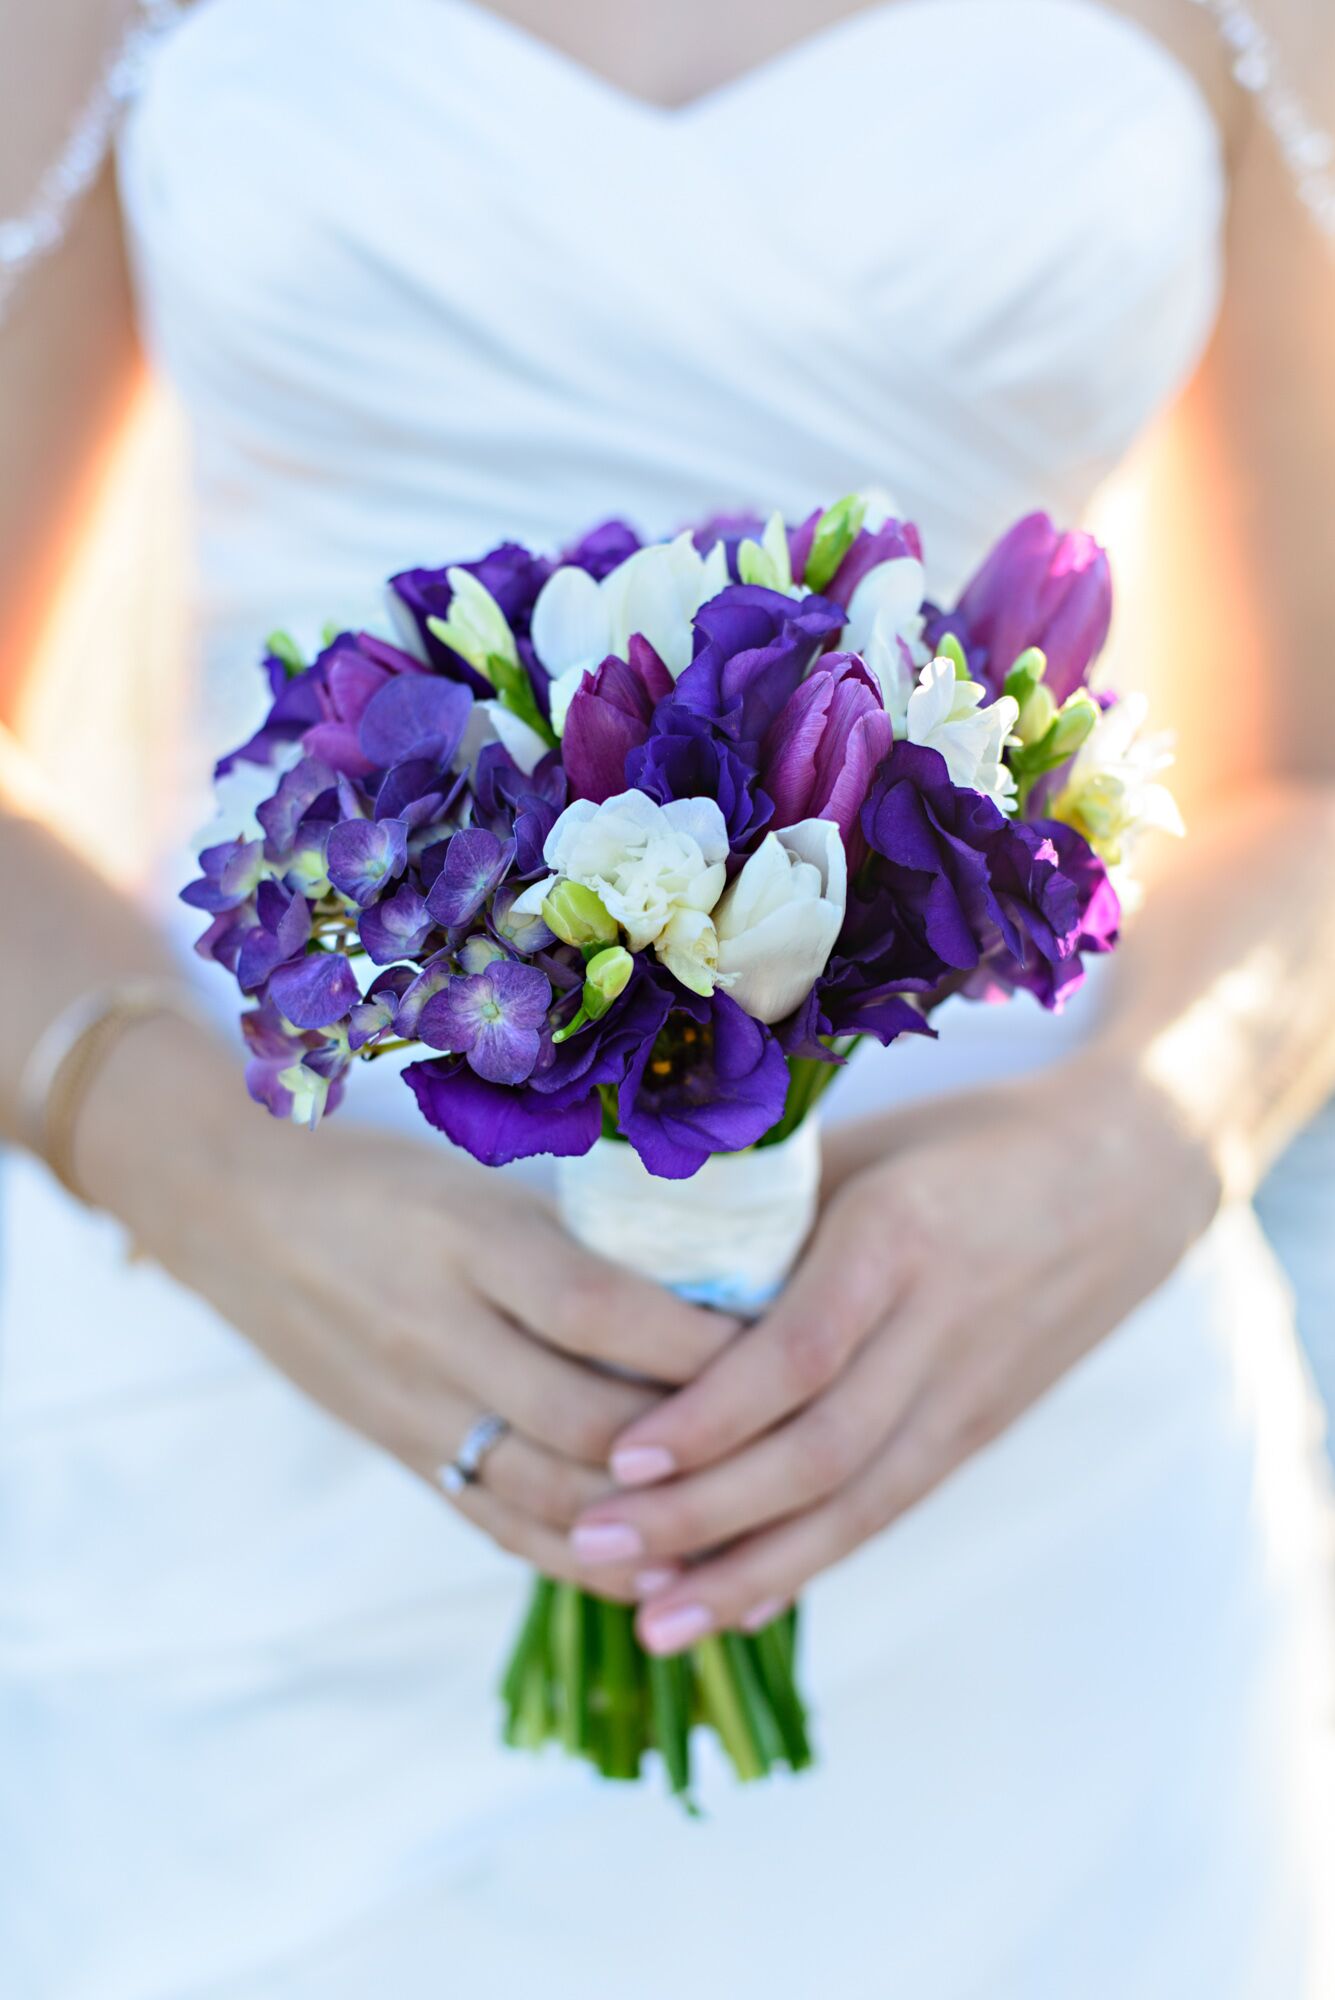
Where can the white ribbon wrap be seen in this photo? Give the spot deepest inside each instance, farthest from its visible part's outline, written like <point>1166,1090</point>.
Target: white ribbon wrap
<point>728,1237</point>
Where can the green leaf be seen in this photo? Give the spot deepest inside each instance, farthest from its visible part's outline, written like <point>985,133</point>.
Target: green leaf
<point>284,647</point>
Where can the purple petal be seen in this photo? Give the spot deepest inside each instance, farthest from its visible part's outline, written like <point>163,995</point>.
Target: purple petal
<point>474,864</point>
<point>497,1125</point>
<point>396,927</point>
<point>317,991</point>
<point>415,715</point>
<point>364,855</point>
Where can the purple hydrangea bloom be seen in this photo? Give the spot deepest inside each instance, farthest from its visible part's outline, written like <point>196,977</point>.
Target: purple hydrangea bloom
<point>609,717</point>
<point>823,747</point>
<point>315,991</point>
<point>274,1052</point>
<point>307,786</point>
<point>1037,588</point>
<point>683,757</point>
<point>281,932</point>
<point>475,864</point>
<point>363,856</point>
<point>493,1017</point>
<point>396,927</point>
<point>752,649</point>
<point>415,716</point>
<point>232,871</point>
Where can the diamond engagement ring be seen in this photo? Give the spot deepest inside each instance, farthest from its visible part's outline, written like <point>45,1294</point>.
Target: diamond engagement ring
<point>465,1467</point>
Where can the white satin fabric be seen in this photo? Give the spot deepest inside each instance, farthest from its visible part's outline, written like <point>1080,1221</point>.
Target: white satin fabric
<point>422,283</point>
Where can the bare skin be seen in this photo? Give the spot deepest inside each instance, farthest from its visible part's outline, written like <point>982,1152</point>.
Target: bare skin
<point>871,1379</point>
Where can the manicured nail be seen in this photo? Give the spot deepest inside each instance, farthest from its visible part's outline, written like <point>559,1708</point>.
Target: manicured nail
<point>642,1464</point>
<point>672,1631</point>
<point>650,1581</point>
<point>764,1614</point>
<point>606,1542</point>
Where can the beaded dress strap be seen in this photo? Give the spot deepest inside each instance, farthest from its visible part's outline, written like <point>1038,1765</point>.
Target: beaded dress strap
<point>26,238</point>
<point>1259,69</point>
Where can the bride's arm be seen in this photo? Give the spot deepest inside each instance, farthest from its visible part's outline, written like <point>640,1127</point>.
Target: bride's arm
<point>972,1250</point>
<point>401,1290</point>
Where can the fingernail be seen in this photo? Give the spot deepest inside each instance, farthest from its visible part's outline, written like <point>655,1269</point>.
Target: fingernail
<point>606,1542</point>
<point>764,1614</point>
<point>671,1631</point>
<point>642,1464</point>
<point>650,1581</point>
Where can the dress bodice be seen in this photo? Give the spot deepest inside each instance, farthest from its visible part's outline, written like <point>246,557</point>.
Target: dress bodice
<point>423,282</point>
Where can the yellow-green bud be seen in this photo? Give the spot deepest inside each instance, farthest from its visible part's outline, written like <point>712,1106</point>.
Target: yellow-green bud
<point>951,649</point>
<point>606,978</point>
<point>1074,722</point>
<point>1038,712</point>
<point>577,915</point>
<point>1026,674</point>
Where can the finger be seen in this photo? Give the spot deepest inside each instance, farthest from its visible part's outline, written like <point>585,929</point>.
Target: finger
<point>570,1407</point>
<point>744,1585</point>
<point>530,1479</point>
<point>805,1460</point>
<point>593,1309</point>
<point>544,1548</point>
<point>842,1290</point>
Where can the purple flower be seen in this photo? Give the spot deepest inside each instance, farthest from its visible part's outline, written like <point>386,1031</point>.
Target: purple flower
<point>363,856</point>
<point>825,745</point>
<point>396,927</point>
<point>1036,588</point>
<point>609,717</point>
<point>497,1125</point>
<point>475,865</point>
<point>315,991</point>
<point>412,717</point>
<point>294,708</point>
<point>1063,904</point>
<point>603,549</point>
<point>283,1065</point>
<point>231,873</point>
<point>373,1017</point>
<point>684,758</point>
<point>281,932</point>
<point>711,1081</point>
<point>492,1017</point>
<point>349,681</point>
<point>888,543</point>
<point>752,648</point>
<point>308,785</point>
<point>512,575</point>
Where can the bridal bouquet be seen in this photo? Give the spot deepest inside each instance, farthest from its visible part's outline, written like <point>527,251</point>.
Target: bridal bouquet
<point>630,848</point>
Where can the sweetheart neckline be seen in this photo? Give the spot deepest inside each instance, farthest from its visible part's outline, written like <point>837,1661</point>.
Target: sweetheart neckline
<point>808,48</point>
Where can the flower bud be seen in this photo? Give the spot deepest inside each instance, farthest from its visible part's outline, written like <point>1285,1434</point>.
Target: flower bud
<point>1038,712</point>
<point>606,978</point>
<point>577,915</point>
<point>1073,726</point>
<point>476,628</point>
<point>951,649</point>
<point>836,532</point>
<point>1026,674</point>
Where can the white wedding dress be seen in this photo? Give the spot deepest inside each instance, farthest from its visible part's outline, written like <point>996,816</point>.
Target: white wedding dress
<point>423,283</point>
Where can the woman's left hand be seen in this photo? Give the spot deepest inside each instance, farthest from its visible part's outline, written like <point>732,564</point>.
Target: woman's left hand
<point>969,1252</point>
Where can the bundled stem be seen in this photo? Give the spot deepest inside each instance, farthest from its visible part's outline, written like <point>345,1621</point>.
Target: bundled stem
<point>579,1677</point>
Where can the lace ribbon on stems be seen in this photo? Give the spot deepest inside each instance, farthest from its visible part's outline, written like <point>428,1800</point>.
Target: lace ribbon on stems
<point>25,239</point>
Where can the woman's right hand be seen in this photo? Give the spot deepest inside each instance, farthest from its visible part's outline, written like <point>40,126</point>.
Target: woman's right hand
<point>404,1288</point>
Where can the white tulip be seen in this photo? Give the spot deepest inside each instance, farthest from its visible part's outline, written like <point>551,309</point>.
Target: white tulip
<point>646,862</point>
<point>778,923</point>
<point>947,715</point>
<point>656,593</point>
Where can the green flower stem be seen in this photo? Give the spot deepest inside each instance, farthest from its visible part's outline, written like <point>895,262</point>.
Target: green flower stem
<point>619,1687</point>
<point>725,1706</point>
<point>670,1695</point>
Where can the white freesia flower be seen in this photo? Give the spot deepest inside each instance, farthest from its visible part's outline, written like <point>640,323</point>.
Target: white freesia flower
<point>647,863</point>
<point>884,625</point>
<point>656,592</point>
<point>476,627</point>
<point>688,946</point>
<point>778,923</point>
<point>493,722</point>
<point>948,715</point>
<point>770,561</point>
<point>1113,794</point>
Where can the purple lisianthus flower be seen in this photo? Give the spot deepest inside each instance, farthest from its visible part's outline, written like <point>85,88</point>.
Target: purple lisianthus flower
<point>684,757</point>
<point>512,574</point>
<point>603,549</point>
<point>496,1125</point>
<point>608,717</point>
<point>825,744</point>
<point>363,856</point>
<point>752,649</point>
<point>396,927</point>
<point>711,1081</point>
<point>281,932</point>
<point>1063,904</point>
<point>316,991</point>
<point>475,864</point>
<point>294,708</point>
<point>493,1017</point>
<point>1037,588</point>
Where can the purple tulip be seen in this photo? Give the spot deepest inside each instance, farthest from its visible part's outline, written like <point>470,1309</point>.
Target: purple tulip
<point>871,547</point>
<point>752,649</point>
<point>823,748</point>
<point>609,717</point>
<point>1038,588</point>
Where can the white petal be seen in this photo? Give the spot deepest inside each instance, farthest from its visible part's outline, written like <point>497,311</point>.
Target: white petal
<point>818,842</point>
<point>524,744</point>
<point>891,595</point>
<point>702,820</point>
<point>773,967</point>
<point>562,692</point>
<point>571,627</point>
<point>688,947</point>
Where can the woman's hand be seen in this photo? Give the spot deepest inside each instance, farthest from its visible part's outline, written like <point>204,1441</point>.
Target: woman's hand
<point>970,1252</point>
<point>402,1288</point>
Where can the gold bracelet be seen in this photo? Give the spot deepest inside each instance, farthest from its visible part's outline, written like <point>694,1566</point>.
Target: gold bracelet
<point>65,1062</point>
